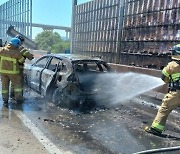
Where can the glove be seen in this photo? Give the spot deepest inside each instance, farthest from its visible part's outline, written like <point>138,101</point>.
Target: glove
<point>30,56</point>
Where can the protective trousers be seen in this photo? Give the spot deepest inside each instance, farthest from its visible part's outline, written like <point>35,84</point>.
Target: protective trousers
<point>169,103</point>
<point>16,82</point>
<point>21,68</point>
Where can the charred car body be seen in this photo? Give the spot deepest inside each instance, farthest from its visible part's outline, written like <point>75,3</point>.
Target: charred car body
<point>66,79</point>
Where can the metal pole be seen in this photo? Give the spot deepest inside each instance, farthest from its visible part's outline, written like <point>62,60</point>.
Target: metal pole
<point>30,19</point>
<point>1,21</point>
<point>66,35</point>
<point>74,3</point>
<point>121,15</point>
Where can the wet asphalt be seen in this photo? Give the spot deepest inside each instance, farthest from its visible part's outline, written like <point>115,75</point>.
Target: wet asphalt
<point>113,130</point>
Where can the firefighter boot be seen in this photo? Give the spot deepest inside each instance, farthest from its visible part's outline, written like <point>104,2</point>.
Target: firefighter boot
<point>152,131</point>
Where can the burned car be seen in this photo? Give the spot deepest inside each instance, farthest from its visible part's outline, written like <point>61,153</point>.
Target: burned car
<point>65,79</point>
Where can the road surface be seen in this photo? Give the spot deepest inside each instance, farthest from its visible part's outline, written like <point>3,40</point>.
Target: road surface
<point>40,127</point>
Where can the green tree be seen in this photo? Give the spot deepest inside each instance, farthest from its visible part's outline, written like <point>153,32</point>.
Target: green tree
<point>51,41</point>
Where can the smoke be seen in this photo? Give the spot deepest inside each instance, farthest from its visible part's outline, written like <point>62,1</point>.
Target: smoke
<point>114,88</point>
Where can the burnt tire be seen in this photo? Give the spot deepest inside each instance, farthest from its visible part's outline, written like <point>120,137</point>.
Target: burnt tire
<point>59,99</point>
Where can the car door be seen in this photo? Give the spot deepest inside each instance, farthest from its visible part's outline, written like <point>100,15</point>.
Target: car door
<point>36,71</point>
<point>48,74</point>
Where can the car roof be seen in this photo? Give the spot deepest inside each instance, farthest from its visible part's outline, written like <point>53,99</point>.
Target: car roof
<point>75,57</point>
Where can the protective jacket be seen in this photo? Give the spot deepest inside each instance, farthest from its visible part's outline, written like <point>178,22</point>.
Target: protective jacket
<point>172,75</point>
<point>10,58</point>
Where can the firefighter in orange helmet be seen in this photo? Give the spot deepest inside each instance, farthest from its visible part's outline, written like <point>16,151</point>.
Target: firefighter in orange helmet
<point>26,54</point>
<point>171,75</point>
<point>10,58</point>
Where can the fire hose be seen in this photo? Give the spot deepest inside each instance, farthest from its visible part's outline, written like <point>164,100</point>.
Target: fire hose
<point>159,150</point>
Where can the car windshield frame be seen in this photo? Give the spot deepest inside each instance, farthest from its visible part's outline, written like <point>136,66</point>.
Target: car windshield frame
<point>97,62</point>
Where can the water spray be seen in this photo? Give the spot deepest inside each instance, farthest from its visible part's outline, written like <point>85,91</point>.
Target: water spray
<point>115,88</point>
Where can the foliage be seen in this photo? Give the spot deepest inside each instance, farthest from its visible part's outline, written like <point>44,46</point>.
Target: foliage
<point>51,41</point>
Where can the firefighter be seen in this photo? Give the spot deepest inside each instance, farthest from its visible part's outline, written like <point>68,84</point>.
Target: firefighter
<point>26,54</point>
<point>10,58</point>
<point>171,75</point>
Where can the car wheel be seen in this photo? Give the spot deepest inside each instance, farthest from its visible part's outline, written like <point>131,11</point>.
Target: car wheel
<point>59,99</point>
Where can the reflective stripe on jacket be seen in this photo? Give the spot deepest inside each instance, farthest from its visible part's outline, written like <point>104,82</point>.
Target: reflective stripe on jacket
<point>172,71</point>
<point>10,58</point>
<point>25,53</point>
<point>175,76</point>
<point>8,65</point>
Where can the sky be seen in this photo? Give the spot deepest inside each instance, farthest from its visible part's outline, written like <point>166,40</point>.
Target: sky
<point>51,12</point>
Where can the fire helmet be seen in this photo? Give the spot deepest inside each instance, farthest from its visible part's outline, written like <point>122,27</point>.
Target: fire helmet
<point>20,37</point>
<point>176,52</point>
<point>15,42</point>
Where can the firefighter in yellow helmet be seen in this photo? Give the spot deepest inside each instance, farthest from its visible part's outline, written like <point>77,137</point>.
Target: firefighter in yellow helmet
<point>171,75</point>
<point>10,58</point>
<point>26,54</point>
